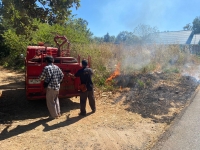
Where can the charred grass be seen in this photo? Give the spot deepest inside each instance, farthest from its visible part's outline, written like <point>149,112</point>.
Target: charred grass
<point>159,95</point>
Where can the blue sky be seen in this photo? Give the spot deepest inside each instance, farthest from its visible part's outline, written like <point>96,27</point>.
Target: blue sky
<point>114,16</point>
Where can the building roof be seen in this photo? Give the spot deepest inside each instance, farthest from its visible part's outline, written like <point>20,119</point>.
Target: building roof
<point>195,39</point>
<point>173,37</point>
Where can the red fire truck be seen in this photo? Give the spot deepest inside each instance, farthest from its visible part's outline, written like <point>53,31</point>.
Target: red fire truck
<point>34,63</point>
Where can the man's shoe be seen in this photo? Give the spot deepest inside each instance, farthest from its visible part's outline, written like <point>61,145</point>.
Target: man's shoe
<point>52,118</point>
<point>82,114</point>
<point>93,111</point>
<point>59,114</point>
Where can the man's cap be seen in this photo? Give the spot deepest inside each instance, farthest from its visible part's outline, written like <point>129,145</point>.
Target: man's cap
<point>84,62</point>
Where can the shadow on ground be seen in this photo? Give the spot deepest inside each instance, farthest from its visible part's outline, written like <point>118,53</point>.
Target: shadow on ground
<point>14,106</point>
<point>7,133</point>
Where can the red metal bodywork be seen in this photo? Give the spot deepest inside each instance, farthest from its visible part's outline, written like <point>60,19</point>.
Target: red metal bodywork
<point>35,63</point>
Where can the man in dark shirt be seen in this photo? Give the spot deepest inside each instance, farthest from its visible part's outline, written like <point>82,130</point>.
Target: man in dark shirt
<point>85,75</point>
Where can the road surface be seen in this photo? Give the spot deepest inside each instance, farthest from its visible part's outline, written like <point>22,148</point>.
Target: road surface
<point>185,133</point>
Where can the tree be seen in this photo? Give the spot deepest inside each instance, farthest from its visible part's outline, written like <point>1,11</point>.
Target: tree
<point>79,26</point>
<point>146,33</point>
<point>126,38</point>
<point>107,38</point>
<point>187,27</point>
<point>112,38</point>
<point>57,11</point>
<point>196,25</point>
<point>20,13</point>
<point>98,39</point>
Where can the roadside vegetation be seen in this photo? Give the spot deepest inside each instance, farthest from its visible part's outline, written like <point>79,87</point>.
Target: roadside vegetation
<point>129,51</point>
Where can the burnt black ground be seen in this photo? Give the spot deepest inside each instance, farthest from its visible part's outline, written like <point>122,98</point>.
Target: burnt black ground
<point>154,94</point>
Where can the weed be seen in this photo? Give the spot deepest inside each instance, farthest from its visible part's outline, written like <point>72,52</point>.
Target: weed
<point>171,70</point>
<point>141,84</point>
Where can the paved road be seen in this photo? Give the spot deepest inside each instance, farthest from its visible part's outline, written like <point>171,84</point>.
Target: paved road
<point>185,133</point>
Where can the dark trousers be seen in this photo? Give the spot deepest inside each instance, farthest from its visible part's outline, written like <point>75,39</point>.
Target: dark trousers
<point>83,99</point>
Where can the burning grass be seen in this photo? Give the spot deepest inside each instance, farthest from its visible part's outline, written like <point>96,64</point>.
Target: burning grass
<point>160,78</point>
<point>115,74</point>
<point>136,59</point>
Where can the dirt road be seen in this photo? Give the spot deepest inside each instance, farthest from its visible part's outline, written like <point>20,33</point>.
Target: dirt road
<point>25,124</point>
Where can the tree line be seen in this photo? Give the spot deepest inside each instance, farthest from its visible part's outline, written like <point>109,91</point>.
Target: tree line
<point>26,22</point>
<point>141,33</point>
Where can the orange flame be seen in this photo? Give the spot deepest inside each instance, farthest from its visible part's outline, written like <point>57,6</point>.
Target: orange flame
<point>115,74</point>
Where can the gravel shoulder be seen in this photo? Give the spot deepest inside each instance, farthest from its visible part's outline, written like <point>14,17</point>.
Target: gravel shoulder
<point>133,117</point>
